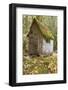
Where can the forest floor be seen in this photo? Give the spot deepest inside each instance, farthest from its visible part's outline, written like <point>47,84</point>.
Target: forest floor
<point>40,64</point>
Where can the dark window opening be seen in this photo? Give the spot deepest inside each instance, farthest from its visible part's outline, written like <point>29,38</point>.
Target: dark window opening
<point>48,41</point>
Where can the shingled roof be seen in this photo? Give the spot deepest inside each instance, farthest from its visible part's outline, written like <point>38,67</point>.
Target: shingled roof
<point>44,30</point>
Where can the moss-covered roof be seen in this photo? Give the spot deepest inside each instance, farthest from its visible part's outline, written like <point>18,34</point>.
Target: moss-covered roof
<point>44,30</point>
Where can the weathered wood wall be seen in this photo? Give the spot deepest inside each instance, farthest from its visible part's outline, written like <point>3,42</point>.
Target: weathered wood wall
<point>38,45</point>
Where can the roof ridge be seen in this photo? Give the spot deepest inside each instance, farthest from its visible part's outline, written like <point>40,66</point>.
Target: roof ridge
<point>43,29</point>
<point>39,22</point>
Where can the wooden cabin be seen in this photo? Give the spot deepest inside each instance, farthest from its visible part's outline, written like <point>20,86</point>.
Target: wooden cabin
<point>40,39</point>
